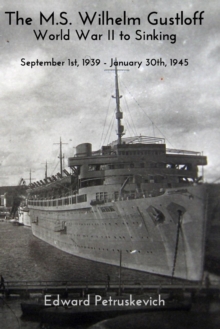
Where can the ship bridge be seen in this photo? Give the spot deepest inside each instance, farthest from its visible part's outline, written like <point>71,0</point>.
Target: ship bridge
<point>142,156</point>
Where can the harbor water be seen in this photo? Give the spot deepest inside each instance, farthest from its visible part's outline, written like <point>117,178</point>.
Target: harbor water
<point>26,258</point>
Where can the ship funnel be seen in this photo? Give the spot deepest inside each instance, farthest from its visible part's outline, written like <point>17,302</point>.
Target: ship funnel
<point>84,150</point>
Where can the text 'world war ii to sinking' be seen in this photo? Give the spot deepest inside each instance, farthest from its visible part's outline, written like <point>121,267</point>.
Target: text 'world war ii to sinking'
<point>90,21</point>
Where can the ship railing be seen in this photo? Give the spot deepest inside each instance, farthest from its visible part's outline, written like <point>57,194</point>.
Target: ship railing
<point>63,201</point>
<point>142,195</point>
<point>171,281</point>
<point>130,196</point>
<point>140,140</point>
<point>176,151</point>
<point>159,284</point>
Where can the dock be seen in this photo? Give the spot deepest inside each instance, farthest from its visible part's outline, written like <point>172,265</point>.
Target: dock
<point>65,288</point>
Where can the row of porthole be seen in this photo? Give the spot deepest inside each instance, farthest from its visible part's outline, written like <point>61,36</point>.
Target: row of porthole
<point>84,224</point>
<point>96,236</point>
<point>105,223</point>
<point>124,216</point>
<point>103,237</point>
<point>103,249</point>
<point>127,223</point>
<point>72,212</point>
<point>76,212</point>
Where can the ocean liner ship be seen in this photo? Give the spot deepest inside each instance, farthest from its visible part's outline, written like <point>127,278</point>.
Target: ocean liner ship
<point>134,198</point>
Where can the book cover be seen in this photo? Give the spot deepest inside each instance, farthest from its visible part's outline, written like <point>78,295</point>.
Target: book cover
<point>109,125</point>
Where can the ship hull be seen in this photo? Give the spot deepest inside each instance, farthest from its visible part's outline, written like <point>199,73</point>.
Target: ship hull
<point>212,259</point>
<point>163,235</point>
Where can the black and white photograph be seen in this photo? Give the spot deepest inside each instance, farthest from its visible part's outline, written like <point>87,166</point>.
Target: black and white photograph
<point>110,164</point>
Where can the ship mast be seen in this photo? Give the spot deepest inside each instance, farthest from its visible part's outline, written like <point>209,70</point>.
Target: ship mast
<point>119,114</point>
<point>46,171</point>
<point>30,176</point>
<point>61,156</point>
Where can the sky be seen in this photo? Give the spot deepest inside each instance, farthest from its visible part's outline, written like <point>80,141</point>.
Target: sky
<point>42,104</point>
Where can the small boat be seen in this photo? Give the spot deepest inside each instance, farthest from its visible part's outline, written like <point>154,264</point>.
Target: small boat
<point>23,216</point>
<point>32,308</point>
<point>15,222</point>
<point>84,314</point>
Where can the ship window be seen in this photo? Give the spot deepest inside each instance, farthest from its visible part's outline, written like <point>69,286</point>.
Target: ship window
<point>91,182</point>
<point>102,196</point>
<point>131,165</point>
<point>94,167</point>
<point>170,165</point>
<point>183,167</point>
<point>107,209</point>
<point>73,199</point>
<point>142,165</point>
<point>59,202</point>
<point>82,198</point>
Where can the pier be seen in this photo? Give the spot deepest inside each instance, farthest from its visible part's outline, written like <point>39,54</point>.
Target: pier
<point>64,288</point>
